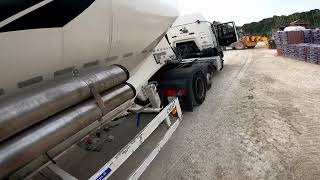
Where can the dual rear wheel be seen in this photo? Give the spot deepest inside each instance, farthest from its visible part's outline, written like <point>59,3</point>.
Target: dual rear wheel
<point>199,87</point>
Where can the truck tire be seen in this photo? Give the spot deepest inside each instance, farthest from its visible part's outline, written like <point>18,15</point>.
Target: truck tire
<point>221,54</point>
<point>199,88</point>
<point>209,77</point>
<point>222,64</point>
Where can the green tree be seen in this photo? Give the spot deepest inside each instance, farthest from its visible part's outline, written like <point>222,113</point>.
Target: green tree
<point>268,25</point>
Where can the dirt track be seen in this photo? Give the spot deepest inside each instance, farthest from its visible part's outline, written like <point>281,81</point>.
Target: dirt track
<point>261,120</point>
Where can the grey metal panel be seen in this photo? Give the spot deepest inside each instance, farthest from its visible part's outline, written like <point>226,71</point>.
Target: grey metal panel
<point>113,58</point>
<point>128,55</point>
<point>91,64</point>
<point>64,71</point>
<point>28,145</point>
<point>30,82</point>
<point>38,103</point>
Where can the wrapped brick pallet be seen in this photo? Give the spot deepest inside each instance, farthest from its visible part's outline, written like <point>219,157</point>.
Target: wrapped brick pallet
<point>303,50</point>
<point>278,39</point>
<point>308,36</point>
<point>302,45</point>
<point>284,37</point>
<point>316,36</point>
<point>314,54</point>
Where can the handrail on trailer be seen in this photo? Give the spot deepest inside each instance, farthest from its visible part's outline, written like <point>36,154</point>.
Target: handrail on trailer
<point>110,167</point>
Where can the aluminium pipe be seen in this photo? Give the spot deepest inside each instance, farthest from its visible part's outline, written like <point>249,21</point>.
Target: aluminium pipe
<point>31,143</point>
<point>36,104</point>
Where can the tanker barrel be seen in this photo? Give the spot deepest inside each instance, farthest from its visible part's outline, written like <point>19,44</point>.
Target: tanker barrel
<point>24,147</point>
<point>33,105</point>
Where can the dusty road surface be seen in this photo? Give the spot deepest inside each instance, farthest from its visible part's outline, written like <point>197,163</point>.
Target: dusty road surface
<point>261,120</point>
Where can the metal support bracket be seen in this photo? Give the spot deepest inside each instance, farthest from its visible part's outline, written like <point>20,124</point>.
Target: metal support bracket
<point>151,91</point>
<point>98,98</point>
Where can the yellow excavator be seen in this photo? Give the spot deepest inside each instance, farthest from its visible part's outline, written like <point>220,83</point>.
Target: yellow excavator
<point>251,41</point>
<point>229,36</point>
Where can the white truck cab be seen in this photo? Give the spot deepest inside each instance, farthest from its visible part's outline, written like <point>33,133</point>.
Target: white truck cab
<point>199,55</point>
<point>193,36</point>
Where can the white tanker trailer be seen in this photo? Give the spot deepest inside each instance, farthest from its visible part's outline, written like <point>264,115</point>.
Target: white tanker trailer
<point>69,67</point>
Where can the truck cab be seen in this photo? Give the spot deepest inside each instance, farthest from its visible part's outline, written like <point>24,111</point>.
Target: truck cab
<point>193,37</point>
<point>199,55</point>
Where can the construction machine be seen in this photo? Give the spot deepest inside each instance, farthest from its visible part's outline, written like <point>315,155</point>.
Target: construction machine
<point>230,37</point>
<point>251,42</point>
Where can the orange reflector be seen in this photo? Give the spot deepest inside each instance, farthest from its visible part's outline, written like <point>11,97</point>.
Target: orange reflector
<point>174,111</point>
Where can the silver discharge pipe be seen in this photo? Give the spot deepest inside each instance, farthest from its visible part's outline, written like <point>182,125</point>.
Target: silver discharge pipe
<point>31,143</point>
<point>20,111</point>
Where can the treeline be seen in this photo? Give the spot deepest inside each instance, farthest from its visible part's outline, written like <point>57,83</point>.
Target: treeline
<point>268,25</point>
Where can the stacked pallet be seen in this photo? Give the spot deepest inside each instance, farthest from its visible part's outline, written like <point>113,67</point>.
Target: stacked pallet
<point>285,49</point>
<point>300,45</point>
<point>308,36</point>
<point>303,50</point>
<point>292,51</point>
<point>295,51</point>
<point>313,55</point>
<point>284,37</point>
<point>277,39</point>
<point>316,36</point>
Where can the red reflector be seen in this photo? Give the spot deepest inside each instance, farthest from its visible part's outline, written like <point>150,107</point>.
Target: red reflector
<point>179,92</point>
<point>171,93</point>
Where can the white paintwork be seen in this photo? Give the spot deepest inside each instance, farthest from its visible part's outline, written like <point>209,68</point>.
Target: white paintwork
<point>201,33</point>
<point>188,18</point>
<point>147,68</point>
<point>107,28</point>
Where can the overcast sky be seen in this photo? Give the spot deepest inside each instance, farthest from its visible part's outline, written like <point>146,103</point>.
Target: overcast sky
<point>245,11</point>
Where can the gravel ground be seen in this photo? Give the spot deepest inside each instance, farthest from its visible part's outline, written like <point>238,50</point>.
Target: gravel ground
<point>261,120</point>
